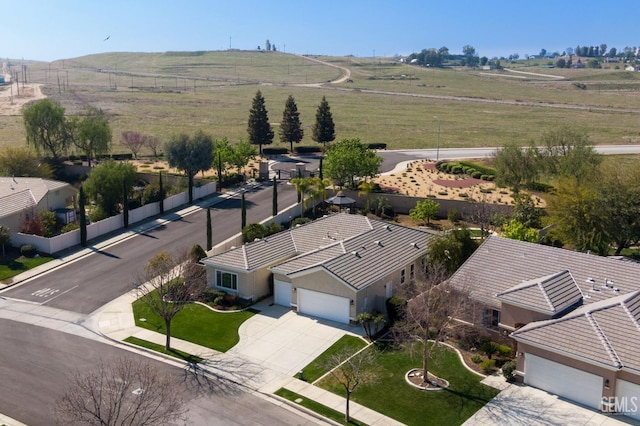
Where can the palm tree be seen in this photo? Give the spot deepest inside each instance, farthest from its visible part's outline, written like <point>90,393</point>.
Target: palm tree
<point>303,185</point>
<point>364,189</point>
<point>319,190</point>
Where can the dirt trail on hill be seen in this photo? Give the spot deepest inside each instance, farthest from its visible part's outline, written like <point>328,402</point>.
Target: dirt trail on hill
<point>11,103</point>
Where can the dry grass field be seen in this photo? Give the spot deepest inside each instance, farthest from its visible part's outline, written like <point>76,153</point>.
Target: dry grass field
<point>163,94</point>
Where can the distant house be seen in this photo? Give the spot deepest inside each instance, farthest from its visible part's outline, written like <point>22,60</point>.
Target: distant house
<point>575,318</point>
<point>333,268</point>
<point>21,195</point>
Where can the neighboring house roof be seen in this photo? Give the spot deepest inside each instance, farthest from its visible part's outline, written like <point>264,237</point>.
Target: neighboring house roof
<point>20,193</point>
<point>551,295</point>
<point>301,239</point>
<point>500,263</point>
<point>606,332</point>
<point>365,258</point>
<point>354,248</point>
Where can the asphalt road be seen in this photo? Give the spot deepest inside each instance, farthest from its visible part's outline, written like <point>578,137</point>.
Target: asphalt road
<point>87,284</point>
<point>36,364</point>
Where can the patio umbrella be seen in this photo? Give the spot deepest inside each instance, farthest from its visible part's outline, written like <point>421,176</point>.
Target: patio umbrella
<point>341,200</point>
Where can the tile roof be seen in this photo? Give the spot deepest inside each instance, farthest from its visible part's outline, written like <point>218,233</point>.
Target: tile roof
<point>365,258</point>
<point>500,263</point>
<point>605,332</point>
<point>355,248</point>
<point>18,193</point>
<point>551,295</point>
<point>301,239</point>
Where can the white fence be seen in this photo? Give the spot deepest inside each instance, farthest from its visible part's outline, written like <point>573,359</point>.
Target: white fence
<point>111,224</point>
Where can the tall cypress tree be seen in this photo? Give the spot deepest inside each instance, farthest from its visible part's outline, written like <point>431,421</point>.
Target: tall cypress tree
<point>83,218</point>
<point>243,207</point>
<point>259,129</point>
<point>274,203</point>
<point>324,130</point>
<point>209,230</point>
<point>290,127</point>
<point>125,204</point>
<point>161,194</point>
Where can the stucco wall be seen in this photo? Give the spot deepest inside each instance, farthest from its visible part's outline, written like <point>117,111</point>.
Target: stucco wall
<point>511,315</point>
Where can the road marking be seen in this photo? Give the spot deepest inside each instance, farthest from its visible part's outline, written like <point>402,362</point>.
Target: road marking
<point>45,292</point>
<point>60,294</point>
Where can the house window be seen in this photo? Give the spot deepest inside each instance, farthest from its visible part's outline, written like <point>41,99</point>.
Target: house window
<point>226,280</point>
<point>491,318</point>
<point>402,276</point>
<point>412,272</point>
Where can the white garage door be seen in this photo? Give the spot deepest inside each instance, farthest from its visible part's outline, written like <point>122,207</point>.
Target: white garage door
<point>323,305</point>
<point>571,383</point>
<point>282,293</point>
<point>628,398</point>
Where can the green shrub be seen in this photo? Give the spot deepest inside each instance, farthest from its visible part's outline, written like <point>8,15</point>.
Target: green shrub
<point>299,221</point>
<point>197,253</point>
<point>70,227</point>
<point>486,190</point>
<point>477,359</point>
<point>394,308</point>
<point>488,365</point>
<point>489,348</point>
<point>27,250</point>
<point>504,351</point>
<point>476,175</point>
<point>463,344</point>
<point>274,151</point>
<point>456,170</point>
<point>377,146</point>
<point>453,215</point>
<point>443,193</point>
<point>463,195</point>
<point>97,214</point>
<point>307,149</point>
<point>508,370</point>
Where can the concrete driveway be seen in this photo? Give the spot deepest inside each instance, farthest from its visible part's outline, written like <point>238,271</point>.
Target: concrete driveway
<point>277,343</point>
<point>518,404</point>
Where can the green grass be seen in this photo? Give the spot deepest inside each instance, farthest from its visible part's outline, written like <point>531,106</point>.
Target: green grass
<point>196,324</point>
<point>13,267</point>
<point>318,366</point>
<point>160,348</point>
<point>377,106</point>
<point>316,407</point>
<point>393,397</point>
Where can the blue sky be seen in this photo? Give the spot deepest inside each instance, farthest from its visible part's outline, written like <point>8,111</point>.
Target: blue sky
<point>59,29</point>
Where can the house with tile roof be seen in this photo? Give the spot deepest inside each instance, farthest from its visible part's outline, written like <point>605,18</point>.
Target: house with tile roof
<point>333,268</point>
<point>20,195</point>
<point>574,316</point>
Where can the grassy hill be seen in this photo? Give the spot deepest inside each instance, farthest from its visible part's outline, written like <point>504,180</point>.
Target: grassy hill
<point>383,101</point>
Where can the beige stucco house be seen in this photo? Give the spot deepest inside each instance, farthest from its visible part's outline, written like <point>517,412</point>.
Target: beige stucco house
<point>575,318</point>
<point>333,268</point>
<point>21,195</point>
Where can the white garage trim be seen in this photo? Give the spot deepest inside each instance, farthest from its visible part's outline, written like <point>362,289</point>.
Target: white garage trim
<point>562,380</point>
<point>282,293</point>
<point>323,305</point>
<point>627,399</point>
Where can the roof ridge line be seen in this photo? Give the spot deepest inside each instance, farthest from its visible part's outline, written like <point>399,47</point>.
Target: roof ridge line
<point>546,296</point>
<point>244,257</point>
<point>628,312</point>
<point>603,339</point>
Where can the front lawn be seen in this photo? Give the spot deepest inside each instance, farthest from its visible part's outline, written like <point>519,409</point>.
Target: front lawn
<point>12,267</point>
<point>318,366</point>
<point>316,407</point>
<point>392,396</point>
<point>160,348</point>
<point>197,324</point>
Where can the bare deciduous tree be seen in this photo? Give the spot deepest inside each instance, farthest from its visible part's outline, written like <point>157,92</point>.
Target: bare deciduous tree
<point>154,144</point>
<point>430,313</point>
<point>134,141</point>
<point>351,371</point>
<point>125,391</point>
<point>170,281</point>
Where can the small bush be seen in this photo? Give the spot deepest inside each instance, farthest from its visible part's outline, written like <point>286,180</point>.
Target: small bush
<point>97,214</point>
<point>274,151</point>
<point>488,365</point>
<point>486,190</point>
<point>299,221</point>
<point>377,146</point>
<point>476,175</point>
<point>27,250</point>
<point>463,344</point>
<point>456,170</point>
<point>463,195</point>
<point>508,370</point>
<point>306,149</point>
<point>443,193</point>
<point>197,253</point>
<point>453,215</point>
<point>70,227</point>
<point>477,359</point>
<point>504,351</point>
